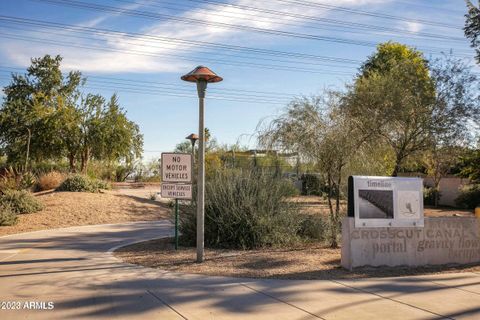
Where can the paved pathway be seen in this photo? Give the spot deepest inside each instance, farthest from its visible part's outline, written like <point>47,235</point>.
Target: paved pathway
<point>71,268</point>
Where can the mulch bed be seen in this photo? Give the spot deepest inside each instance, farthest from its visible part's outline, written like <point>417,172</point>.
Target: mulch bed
<point>309,261</point>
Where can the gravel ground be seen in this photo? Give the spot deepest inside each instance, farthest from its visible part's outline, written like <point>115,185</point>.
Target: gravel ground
<point>312,261</point>
<point>65,209</point>
<point>306,262</point>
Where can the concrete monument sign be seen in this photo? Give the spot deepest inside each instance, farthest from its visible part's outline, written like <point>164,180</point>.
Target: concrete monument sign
<point>442,240</point>
<point>386,201</point>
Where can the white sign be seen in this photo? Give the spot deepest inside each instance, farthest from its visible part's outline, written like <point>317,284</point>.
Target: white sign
<point>387,202</point>
<point>176,191</point>
<point>177,167</point>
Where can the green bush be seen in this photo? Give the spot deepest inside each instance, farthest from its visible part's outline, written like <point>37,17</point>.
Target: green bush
<point>81,183</point>
<point>244,209</point>
<point>313,227</point>
<point>429,195</point>
<point>469,197</point>
<point>311,184</point>
<point>288,188</point>
<point>8,217</point>
<point>21,201</point>
<point>101,184</point>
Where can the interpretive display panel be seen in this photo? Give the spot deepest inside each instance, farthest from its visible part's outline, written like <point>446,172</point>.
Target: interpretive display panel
<point>386,201</point>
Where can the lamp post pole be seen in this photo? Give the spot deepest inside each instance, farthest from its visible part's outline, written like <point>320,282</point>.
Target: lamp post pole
<point>193,138</point>
<point>201,75</point>
<point>201,87</point>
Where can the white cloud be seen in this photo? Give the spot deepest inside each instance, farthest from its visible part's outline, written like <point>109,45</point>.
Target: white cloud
<point>413,26</point>
<point>20,53</point>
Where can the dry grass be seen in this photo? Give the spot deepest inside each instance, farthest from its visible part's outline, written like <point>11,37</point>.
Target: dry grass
<point>65,209</point>
<point>51,180</point>
<point>310,261</point>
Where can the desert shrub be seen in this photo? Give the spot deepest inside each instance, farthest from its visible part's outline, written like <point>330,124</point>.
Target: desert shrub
<point>152,196</point>
<point>51,180</point>
<point>311,184</point>
<point>27,181</point>
<point>41,168</point>
<point>289,189</point>
<point>122,172</point>
<point>101,184</point>
<point>9,180</point>
<point>313,227</point>
<point>428,196</point>
<point>14,179</point>
<point>469,197</point>
<point>21,201</point>
<point>8,217</point>
<point>81,183</point>
<point>244,209</point>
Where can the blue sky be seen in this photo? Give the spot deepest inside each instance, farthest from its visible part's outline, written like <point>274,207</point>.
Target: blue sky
<point>140,48</point>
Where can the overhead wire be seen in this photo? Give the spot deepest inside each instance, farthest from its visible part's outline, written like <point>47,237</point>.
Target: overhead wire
<point>144,44</point>
<point>157,90</point>
<point>176,85</point>
<point>367,13</point>
<point>185,58</point>
<point>166,17</point>
<point>183,42</point>
<point>283,14</point>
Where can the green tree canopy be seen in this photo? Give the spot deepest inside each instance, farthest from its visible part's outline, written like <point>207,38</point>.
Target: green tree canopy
<point>469,166</point>
<point>392,99</point>
<point>389,55</point>
<point>47,115</point>
<point>401,100</point>
<point>472,27</point>
<point>29,113</point>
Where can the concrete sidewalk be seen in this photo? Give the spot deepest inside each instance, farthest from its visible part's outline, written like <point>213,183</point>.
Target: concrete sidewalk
<point>72,268</point>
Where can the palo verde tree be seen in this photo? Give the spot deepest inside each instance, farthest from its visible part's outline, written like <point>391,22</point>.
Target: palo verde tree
<point>392,100</point>
<point>472,27</point>
<point>46,116</point>
<point>320,132</point>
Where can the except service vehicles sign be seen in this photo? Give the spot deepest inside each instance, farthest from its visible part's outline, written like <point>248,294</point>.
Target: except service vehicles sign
<point>176,167</point>
<point>176,191</point>
<point>386,201</point>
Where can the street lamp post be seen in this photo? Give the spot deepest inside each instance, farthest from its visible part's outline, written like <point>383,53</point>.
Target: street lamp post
<point>201,76</point>
<point>193,138</point>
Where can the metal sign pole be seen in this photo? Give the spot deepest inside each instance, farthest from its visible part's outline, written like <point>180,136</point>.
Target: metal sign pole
<point>176,224</point>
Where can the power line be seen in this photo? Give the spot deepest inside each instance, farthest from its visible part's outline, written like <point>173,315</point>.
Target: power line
<point>153,90</point>
<point>183,42</point>
<point>321,19</point>
<point>368,13</point>
<point>158,16</point>
<point>213,89</point>
<point>237,56</point>
<point>141,53</point>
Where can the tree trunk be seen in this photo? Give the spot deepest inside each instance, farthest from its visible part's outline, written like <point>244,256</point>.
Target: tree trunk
<point>398,162</point>
<point>28,149</point>
<point>435,193</point>
<point>333,234</point>
<point>72,160</point>
<point>85,158</point>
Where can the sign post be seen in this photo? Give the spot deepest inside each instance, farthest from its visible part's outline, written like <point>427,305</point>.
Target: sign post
<point>176,224</point>
<point>176,180</point>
